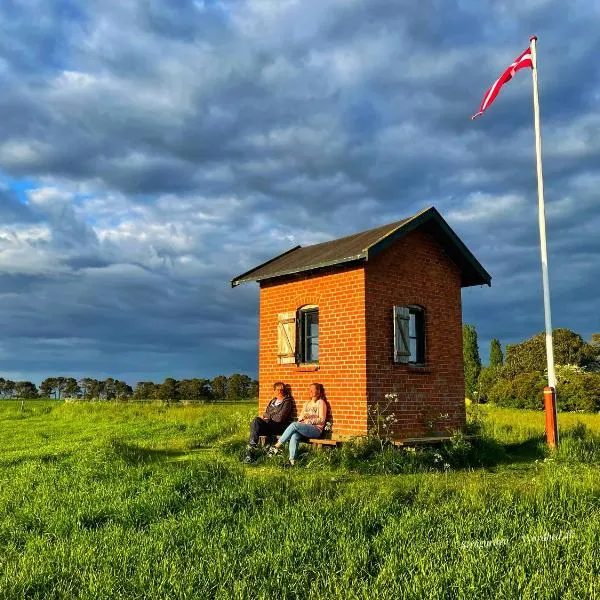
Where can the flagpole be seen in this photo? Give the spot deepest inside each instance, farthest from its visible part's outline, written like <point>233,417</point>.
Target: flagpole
<point>550,391</point>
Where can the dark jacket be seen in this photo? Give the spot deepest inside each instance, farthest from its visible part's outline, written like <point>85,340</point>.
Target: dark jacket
<point>279,414</point>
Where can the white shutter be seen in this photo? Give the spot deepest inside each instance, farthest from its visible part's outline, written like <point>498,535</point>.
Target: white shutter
<point>286,338</point>
<point>401,339</point>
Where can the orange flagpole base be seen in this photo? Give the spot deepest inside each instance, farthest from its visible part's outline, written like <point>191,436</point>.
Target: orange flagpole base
<point>551,420</point>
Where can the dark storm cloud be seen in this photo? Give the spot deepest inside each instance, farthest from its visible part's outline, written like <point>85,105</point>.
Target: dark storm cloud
<point>177,144</point>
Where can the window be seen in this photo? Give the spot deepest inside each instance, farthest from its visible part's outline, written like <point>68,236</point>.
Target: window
<point>409,334</point>
<point>308,334</point>
<point>416,334</point>
<point>298,336</point>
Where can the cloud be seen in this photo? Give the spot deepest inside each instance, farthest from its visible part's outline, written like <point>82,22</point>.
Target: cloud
<point>153,150</point>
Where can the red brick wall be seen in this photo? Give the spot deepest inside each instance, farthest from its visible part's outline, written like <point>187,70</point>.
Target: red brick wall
<point>340,296</point>
<point>415,270</point>
<point>356,338</point>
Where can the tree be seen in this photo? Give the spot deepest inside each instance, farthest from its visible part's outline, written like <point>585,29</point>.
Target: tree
<point>123,391</point>
<point>87,385</point>
<point>145,390</point>
<point>253,391</point>
<point>72,388</point>
<point>530,355</point>
<point>91,388</point>
<point>238,386</point>
<point>168,390</point>
<point>219,387</point>
<point>97,389</point>
<point>496,355</point>
<point>60,383</point>
<point>488,376</point>
<point>193,389</point>
<point>47,387</point>
<point>26,390</point>
<point>110,391</point>
<point>203,388</point>
<point>7,388</point>
<point>471,359</point>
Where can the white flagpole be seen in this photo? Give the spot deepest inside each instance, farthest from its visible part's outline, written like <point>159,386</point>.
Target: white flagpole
<point>542,223</point>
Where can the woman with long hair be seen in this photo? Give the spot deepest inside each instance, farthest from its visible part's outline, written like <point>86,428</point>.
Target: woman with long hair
<point>310,423</point>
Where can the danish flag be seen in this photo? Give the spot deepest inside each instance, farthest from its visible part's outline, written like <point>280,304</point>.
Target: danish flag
<point>522,61</point>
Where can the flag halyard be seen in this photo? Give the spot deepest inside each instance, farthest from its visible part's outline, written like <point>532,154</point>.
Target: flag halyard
<point>522,61</point>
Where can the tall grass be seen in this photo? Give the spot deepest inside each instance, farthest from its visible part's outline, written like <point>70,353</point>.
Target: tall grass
<point>129,501</point>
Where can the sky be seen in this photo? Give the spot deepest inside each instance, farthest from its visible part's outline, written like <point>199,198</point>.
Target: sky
<point>152,150</point>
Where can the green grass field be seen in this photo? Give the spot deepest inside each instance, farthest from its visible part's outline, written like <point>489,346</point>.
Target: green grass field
<point>147,501</point>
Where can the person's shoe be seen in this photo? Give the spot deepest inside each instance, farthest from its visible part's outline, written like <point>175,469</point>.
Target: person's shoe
<point>288,465</point>
<point>273,450</point>
<point>249,457</point>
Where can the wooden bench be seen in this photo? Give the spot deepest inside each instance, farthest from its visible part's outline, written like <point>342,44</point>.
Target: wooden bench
<point>318,442</point>
<point>417,441</point>
<point>414,441</point>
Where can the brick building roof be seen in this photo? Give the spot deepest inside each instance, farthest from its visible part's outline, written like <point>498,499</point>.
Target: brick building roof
<point>365,245</point>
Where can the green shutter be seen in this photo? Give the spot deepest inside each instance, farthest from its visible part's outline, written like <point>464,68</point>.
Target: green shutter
<point>401,339</point>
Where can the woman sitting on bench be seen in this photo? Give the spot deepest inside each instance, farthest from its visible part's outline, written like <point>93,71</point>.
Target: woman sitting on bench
<point>310,423</point>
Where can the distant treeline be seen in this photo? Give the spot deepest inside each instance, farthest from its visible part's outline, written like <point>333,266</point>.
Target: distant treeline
<point>234,387</point>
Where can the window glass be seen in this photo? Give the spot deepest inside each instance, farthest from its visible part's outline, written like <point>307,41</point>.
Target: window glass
<point>413,350</point>
<point>309,335</point>
<point>412,325</point>
<point>416,334</point>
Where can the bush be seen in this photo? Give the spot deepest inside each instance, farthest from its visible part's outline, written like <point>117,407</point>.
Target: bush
<point>530,356</point>
<point>577,390</point>
<point>524,391</point>
<point>487,379</point>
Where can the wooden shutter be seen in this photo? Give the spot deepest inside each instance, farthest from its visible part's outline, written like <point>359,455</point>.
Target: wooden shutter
<point>401,339</point>
<point>286,338</point>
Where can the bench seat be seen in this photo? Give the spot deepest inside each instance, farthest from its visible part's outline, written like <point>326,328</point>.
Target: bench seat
<point>319,442</point>
<point>412,441</point>
<point>435,439</point>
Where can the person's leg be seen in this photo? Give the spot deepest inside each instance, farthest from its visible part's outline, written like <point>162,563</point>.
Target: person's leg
<point>256,428</point>
<point>295,439</point>
<point>295,433</point>
<point>303,431</point>
<point>308,431</point>
<point>286,435</point>
<point>270,430</point>
<point>277,428</point>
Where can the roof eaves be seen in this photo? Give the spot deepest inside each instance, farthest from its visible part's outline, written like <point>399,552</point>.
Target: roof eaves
<point>305,268</point>
<point>244,276</point>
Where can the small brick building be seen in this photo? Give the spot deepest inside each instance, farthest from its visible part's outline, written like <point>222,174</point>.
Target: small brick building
<point>367,315</point>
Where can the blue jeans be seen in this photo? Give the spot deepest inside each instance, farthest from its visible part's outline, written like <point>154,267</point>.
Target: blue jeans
<point>296,432</point>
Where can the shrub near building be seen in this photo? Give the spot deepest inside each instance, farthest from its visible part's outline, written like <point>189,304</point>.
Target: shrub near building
<point>530,355</point>
<point>577,389</point>
<point>524,391</point>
